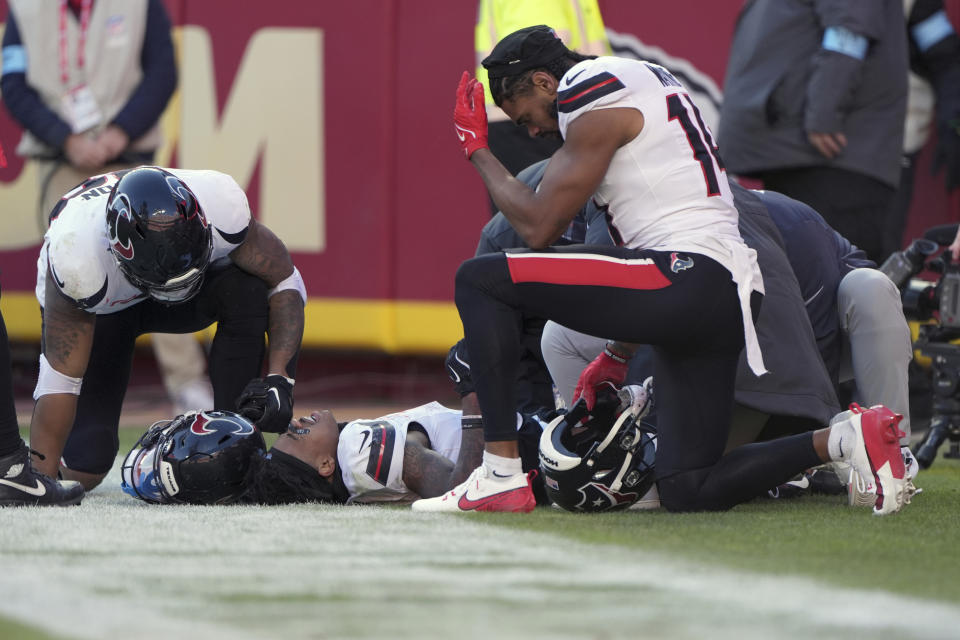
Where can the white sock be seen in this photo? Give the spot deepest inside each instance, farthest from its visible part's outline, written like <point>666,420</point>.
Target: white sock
<point>502,466</point>
<point>841,440</point>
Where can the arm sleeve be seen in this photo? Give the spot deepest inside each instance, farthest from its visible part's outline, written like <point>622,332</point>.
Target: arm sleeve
<point>23,103</point>
<point>151,96</point>
<point>849,28</point>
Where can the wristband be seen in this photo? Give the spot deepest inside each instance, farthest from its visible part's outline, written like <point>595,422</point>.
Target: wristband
<point>471,422</point>
<point>614,356</point>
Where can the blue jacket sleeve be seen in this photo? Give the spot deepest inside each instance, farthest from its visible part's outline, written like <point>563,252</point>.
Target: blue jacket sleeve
<point>151,96</point>
<point>23,103</point>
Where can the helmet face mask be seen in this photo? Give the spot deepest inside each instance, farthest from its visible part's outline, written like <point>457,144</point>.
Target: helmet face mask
<point>138,472</point>
<point>601,460</point>
<point>158,234</point>
<point>196,458</point>
<point>178,289</point>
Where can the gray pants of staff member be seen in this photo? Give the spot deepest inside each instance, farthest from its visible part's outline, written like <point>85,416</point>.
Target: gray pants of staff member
<point>876,346</point>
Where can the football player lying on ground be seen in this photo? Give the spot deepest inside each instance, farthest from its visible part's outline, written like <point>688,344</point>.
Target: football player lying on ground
<point>220,457</point>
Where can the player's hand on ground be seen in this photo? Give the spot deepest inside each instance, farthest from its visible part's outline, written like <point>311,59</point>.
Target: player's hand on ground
<point>830,145</point>
<point>606,368</point>
<point>268,403</point>
<point>470,115</point>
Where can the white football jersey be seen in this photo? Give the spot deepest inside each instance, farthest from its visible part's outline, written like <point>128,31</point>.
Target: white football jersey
<point>370,452</point>
<point>78,252</point>
<point>667,184</point>
<point>666,189</point>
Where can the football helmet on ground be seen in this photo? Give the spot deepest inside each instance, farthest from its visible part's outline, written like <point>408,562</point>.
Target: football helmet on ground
<point>196,458</point>
<point>600,459</point>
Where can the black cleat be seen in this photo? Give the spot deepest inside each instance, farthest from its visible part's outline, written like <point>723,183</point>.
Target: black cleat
<point>21,486</point>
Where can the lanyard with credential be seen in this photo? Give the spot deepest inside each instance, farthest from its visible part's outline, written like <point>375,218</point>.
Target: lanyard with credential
<point>84,24</point>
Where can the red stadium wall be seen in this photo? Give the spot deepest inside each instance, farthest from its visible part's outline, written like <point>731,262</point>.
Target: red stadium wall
<point>336,119</point>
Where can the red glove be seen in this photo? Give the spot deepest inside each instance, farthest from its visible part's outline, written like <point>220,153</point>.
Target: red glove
<point>470,115</point>
<point>606,368</point>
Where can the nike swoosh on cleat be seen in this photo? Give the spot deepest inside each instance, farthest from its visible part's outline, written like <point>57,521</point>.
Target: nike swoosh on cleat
<point>37,491</point>
<point>468,504</point>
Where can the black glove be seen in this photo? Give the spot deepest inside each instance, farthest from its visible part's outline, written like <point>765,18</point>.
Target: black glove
<point>947,152</point>
<point>268,403</point>
<point>458,369</point>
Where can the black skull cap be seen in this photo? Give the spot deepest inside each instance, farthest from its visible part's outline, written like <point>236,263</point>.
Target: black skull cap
<point>528,48</point>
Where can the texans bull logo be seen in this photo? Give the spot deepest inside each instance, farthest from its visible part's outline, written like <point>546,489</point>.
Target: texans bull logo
<point>120,224</point>
<point>188,201</point>
<point>203,426</point>
<point>678,264</point>
<point>597,497</point>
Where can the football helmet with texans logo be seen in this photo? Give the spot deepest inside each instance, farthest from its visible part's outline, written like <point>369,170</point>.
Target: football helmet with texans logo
<point>158,234</point>
<point>196,458</point>
<point>601,460</point>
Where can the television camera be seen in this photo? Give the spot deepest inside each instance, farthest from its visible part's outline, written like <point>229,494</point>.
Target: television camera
<point>937,300</point>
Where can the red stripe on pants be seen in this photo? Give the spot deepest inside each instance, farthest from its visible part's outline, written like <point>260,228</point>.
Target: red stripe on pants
<point>586,270</point>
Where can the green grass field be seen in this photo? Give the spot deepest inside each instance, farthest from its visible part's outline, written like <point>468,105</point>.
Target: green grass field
<point>115,567</point>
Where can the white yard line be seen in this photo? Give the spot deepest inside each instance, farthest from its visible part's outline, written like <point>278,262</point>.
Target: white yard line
<point>116,568</point>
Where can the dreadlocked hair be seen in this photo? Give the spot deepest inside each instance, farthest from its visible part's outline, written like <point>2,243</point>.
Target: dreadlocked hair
<point>509,87</point>
<point>278,478</point>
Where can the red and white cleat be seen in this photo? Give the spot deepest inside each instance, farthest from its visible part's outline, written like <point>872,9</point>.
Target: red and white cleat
<point>878,475</point>
<point>484,491</point>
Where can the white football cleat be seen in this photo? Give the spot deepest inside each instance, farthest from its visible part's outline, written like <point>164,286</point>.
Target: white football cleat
<point>864,494</point>
<point>484,490</point>
<point>874,455</point>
